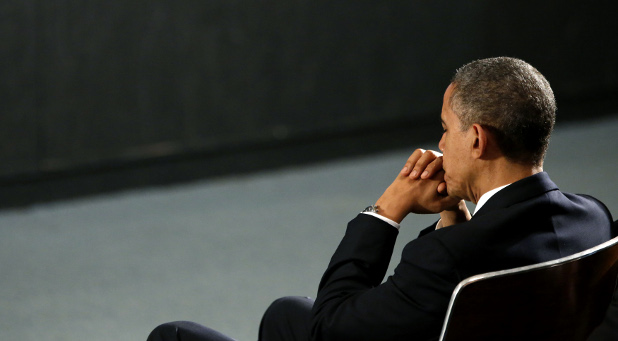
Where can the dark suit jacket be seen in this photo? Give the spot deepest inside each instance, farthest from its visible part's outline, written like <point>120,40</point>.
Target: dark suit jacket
<point>528,222</point>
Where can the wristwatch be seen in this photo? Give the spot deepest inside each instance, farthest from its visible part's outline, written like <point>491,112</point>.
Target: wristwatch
<point>371,209</point>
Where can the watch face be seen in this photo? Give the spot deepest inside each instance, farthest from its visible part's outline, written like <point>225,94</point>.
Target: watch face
<point>371,208</point>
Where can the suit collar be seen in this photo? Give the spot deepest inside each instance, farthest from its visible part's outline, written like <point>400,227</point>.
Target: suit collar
<point>519,191</point>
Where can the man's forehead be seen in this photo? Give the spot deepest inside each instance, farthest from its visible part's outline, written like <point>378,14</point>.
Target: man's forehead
<point>446,102</point>
<point>449,92</point>
<point>446,114</point>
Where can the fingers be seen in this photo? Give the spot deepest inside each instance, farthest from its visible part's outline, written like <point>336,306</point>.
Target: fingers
<point>442,188</point>
<point>445,201</point>
<point>407,195</point>
<point>412,160</point>
<point>427,165</point>
<point>432,168</point>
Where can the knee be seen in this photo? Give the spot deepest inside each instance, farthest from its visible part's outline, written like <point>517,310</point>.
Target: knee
<point>185,331</point>
<point>287,305</point>
<point>289,309</point>
<point>287,318</point>
<point>166,331</point>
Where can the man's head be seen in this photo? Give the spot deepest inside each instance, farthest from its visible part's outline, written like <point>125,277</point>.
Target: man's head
<point>512,99</point>
<point>503,105</point>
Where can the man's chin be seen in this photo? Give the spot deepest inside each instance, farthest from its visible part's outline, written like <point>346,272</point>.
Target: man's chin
<point>453,193</point>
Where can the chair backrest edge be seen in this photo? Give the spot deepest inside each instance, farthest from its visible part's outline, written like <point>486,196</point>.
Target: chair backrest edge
<point>521,269</point>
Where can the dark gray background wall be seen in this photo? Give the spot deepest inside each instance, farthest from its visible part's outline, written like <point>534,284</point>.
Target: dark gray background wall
<point>102,95</point>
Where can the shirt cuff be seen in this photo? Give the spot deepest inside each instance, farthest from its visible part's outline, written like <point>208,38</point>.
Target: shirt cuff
<point>385,219</point>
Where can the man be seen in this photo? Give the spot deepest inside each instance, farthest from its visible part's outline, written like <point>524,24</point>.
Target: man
<point>497,117</point>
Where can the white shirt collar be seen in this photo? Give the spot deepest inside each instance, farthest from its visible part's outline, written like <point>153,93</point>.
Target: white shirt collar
<point>485,197</point>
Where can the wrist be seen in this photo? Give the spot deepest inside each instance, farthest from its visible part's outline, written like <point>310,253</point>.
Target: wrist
<point>455,215</point>
<point>390,211</point>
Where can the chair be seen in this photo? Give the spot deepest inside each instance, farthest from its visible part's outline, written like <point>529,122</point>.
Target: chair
<point>563,299</point>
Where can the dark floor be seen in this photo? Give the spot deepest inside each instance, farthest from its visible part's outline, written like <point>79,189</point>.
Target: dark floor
<point>218,252</point>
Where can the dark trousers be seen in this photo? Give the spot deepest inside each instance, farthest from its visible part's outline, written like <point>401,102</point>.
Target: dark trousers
<point>286,319</point>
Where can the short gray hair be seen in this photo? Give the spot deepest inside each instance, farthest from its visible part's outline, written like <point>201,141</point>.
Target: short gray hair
<point>510,98</point>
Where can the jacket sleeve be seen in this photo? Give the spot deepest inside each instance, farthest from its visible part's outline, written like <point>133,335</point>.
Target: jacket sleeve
<point>352,304</point>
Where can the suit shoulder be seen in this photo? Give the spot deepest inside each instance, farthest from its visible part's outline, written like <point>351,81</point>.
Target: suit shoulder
<point>589,202</point>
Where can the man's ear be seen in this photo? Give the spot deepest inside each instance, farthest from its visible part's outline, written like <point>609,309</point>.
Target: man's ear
<point>479,144</point>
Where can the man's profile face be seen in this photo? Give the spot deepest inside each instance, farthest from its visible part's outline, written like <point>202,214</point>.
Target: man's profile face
<point>455,146</point>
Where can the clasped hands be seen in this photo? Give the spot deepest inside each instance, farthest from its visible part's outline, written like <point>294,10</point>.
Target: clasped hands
<point>420,188</point>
